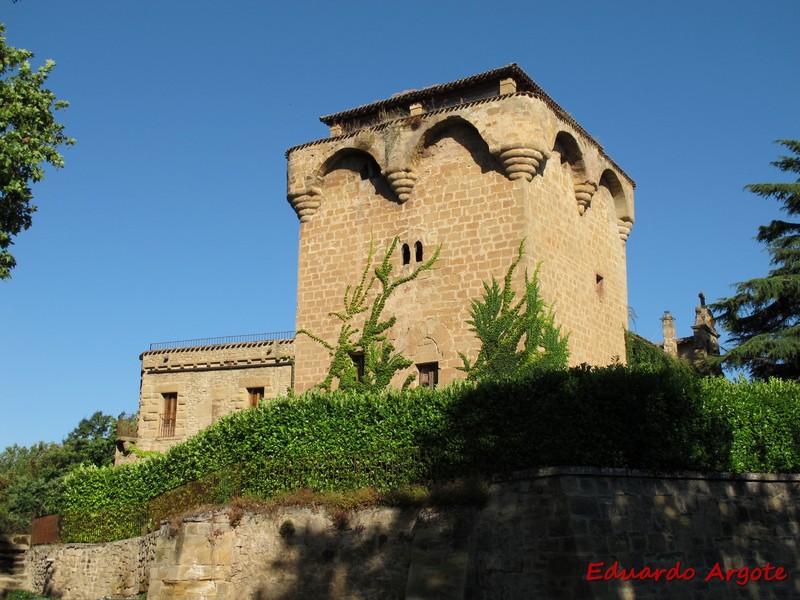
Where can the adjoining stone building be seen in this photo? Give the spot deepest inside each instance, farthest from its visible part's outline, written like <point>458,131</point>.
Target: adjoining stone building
<point>186,388</point>
<point>472,167</point>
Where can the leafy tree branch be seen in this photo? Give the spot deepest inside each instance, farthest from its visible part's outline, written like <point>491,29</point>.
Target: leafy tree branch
<point>29,139</point>
<point>763,316</point>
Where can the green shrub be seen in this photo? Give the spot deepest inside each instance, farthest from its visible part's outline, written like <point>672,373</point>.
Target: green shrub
<point>646,417</point>
<point>517,339</point>
<point>764,417</point>
<point>23,595</point>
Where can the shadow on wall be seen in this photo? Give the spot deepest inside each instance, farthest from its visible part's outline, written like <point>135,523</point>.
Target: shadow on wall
<point>379,553</point>
<point>554,533</point>
<point>338,562</point>
<point>697,530</point>
<point>543,531</point>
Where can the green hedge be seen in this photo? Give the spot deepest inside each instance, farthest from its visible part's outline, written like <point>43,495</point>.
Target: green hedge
<point>314,425</point>
<point>764,419</point>
<point>649,417</point>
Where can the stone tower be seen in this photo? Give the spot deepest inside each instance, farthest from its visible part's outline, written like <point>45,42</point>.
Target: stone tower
<point>473,166</point>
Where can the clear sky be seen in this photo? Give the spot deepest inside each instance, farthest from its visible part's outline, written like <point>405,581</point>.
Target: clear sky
<point>170,219</point>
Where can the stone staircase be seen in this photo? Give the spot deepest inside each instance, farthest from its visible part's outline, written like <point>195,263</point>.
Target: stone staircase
<point>12,561</point>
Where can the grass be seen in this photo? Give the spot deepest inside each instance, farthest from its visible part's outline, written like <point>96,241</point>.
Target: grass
<point>471,491</point>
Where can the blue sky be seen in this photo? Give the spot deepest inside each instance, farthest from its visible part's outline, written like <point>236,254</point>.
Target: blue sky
<point>170,219</point>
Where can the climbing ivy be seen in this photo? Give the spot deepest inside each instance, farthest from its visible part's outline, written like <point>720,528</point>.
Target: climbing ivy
<point>370,342</point>
<point>517,338</point>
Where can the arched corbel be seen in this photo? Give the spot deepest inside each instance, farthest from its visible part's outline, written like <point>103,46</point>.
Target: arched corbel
<point>624,226</point>
<point>584,191</point>
<point>623,208</point>
<point>520,160</point>
<point>402,181</point>
<point>305,202</point>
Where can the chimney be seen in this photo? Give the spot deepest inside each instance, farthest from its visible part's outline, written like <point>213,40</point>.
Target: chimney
<point>668,329</point>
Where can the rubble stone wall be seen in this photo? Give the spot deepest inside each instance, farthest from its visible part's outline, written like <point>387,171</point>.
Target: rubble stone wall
<point>548,533</point>
<point>90,571</point>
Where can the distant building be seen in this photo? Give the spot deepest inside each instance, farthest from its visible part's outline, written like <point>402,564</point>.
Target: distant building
<point>696,348</point>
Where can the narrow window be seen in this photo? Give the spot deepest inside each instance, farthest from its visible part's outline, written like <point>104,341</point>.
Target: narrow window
<point>358,361</point>
<point>418,251</point>
<point>256,395</point>
<point>168,417</point>
<point>428,375</point>
<point>406,254</point>
<point>599,287</point>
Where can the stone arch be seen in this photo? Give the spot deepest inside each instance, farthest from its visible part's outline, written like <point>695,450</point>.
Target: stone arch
<point>462,131</point>
<point>361,162</point>
<point>622,207</point>
<point>307,200</point>
<point>572,157</point>
<point>434,128</point>
<point>429,341</point>
<point>331,162</point>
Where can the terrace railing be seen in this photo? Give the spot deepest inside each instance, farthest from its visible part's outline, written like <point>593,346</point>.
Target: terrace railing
<point>128,426</point>
<point>231,339</point>
<point>166,425</point>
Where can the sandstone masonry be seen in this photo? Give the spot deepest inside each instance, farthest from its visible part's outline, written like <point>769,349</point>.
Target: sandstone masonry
<point>184,390</point>
<point>536,538</point>
<point>474,167</point>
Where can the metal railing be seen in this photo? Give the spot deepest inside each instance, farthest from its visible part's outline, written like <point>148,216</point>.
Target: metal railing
<point>166,425</point>
<point>231,339</point>
<point>128,426</point>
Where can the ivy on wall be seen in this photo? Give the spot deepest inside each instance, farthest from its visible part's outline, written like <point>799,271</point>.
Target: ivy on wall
<point>363,358</point>
<point>517,338</point>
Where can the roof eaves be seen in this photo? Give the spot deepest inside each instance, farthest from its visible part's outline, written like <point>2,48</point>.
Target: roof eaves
<point>512,70</point>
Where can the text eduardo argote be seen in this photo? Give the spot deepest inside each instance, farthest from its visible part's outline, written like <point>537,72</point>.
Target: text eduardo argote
<point>600,571</point>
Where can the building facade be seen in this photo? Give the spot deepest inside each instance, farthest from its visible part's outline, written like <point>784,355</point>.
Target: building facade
<point>472,167</point>
<point>185,389</point>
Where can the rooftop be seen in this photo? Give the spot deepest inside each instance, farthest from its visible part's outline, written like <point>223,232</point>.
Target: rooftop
<point>461,91</point>
<point>509,80</point>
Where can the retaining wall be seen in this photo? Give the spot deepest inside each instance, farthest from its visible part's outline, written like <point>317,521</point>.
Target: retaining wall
<point>547,533</point>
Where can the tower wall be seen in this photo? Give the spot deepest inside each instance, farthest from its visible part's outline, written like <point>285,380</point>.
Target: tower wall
<point>475,179</point>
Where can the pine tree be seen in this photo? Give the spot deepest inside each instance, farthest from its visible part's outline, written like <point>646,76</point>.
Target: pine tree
<point>517,338</point>
<point>763,316</point>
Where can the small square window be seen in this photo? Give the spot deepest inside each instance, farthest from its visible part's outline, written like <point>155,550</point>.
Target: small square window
<point>255,395</point>
<point>428,374</point>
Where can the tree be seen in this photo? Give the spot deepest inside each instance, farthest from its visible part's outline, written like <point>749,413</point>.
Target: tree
<point>29,138</point>
<point>516,338</point>
<point>364,359</point>
<point>92,441</point>
<point>763,316</point>
<point>31,478</point>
